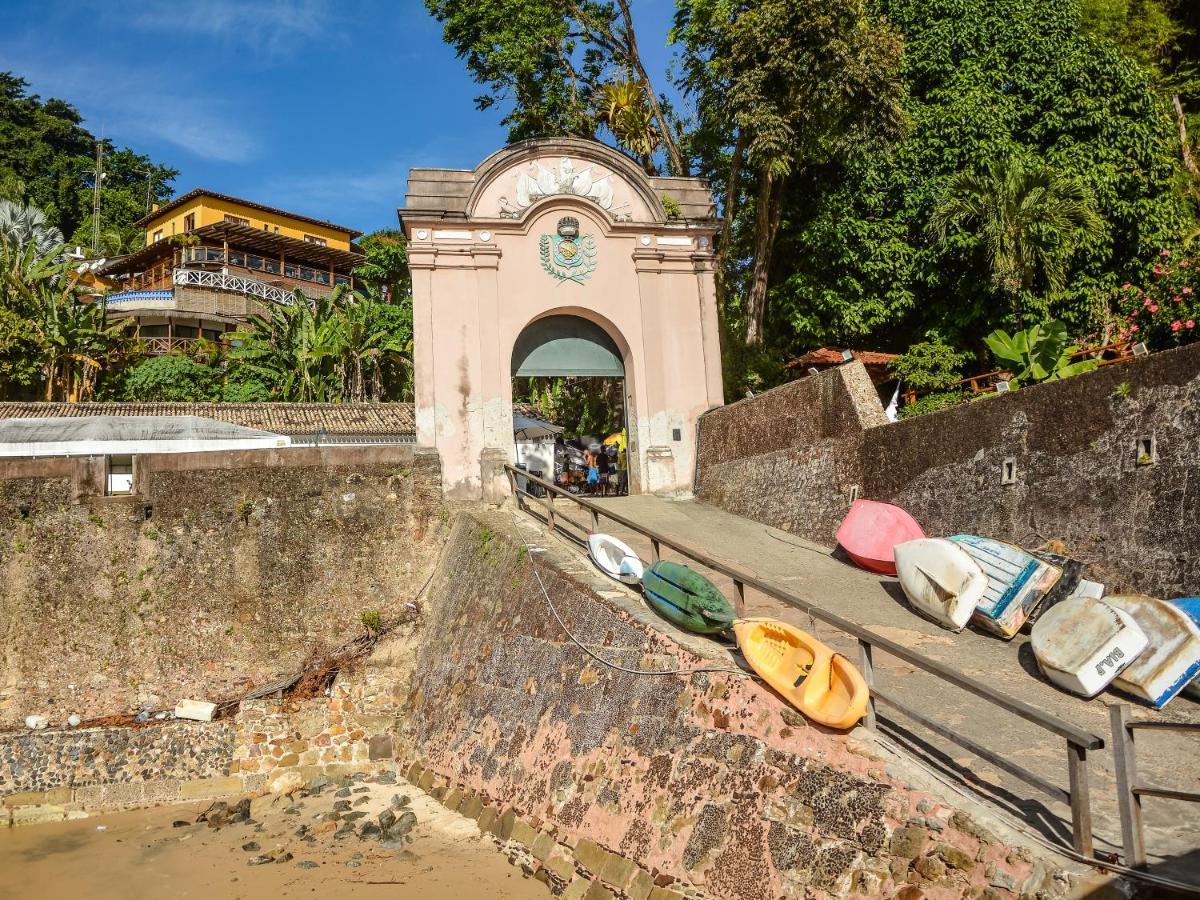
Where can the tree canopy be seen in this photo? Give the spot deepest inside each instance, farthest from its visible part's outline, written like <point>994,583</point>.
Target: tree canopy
<point>48,160</point>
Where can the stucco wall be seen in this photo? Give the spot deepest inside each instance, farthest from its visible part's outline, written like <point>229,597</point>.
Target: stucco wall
<point>224,573</point>
<point>1078,481</point>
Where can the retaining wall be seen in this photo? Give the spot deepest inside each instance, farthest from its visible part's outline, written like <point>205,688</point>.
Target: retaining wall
<point>1062,464</point>
<point>224,571</point>
<point>623,782</point>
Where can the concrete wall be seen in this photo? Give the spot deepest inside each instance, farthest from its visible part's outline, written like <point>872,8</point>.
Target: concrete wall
<point>223,573</point>
<point>790,457</point>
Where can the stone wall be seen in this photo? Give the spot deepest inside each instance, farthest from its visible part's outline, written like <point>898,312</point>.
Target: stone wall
<point>1080,476</point>
<point>223,573</point>
<point>658,785</point>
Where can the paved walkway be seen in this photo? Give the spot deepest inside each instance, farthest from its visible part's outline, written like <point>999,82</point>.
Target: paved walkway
<point>819,576</point>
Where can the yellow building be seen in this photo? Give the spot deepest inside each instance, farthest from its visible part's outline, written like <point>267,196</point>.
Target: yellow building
<point>211,260</point>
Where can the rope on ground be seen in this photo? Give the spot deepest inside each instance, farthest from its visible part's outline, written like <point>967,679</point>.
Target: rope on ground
<point>530,550</point>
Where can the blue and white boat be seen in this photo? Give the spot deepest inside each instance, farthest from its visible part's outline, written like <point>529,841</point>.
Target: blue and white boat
<point>1191,606</point>
<point>1172,657</point>
<point>1017,583</point>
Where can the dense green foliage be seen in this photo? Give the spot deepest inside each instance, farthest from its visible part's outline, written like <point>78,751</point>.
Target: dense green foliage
<point>1039,353</point>
<point>48,160</point>
<point>53,344</point>
<point>345,347</point>
<point>585,407</point>
<point>173,378</point>
<point>987,81</point>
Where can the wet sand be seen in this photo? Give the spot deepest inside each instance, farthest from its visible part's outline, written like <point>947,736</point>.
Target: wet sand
<point>141,855</point>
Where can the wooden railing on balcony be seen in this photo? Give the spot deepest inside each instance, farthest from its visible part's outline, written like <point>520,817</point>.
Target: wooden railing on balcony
<point>221,281</point>
<point>157,346</point>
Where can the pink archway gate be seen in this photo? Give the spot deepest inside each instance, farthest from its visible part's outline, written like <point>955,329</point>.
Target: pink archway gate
<point>559,227</point>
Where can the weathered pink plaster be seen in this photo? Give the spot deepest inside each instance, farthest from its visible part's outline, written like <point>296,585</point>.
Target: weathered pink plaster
<point>478,282</point>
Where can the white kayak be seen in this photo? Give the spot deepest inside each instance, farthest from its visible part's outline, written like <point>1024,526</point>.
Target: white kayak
<point>940,580</point>
<point>615,558</point>
<point>1172,658</point>
<point>1017,583</point>
<point>1081,644</point>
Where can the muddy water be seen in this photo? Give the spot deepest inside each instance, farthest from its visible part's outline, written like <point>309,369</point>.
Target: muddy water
<point>141,855</point>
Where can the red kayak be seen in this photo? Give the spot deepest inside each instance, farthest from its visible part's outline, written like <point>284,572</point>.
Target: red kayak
<point>870,531</point>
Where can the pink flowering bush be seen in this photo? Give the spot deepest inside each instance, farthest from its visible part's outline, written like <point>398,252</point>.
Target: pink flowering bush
<point>1165,312</point>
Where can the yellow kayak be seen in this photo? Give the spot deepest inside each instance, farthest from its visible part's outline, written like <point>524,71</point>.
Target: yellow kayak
<point>823,685</point>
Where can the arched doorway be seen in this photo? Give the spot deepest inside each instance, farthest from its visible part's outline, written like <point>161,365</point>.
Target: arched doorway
<point>570,402</point>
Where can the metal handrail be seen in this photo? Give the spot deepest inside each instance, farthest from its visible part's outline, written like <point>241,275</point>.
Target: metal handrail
<point>1130,790</point>
<point>1078,740</point>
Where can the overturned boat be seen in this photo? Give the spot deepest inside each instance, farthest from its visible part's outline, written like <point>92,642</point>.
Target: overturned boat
<point>1017,583</point>
<point>1172,656</point>
<point>941,580</point>
<point>615,558</point>
<point>687,598</point>
<point>872,529</point>
<point>1081,644</point>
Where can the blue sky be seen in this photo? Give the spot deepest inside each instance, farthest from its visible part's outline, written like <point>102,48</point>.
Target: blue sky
<point>315,106</point>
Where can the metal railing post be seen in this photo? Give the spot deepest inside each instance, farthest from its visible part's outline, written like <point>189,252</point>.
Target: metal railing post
<point>655,551</point>
<point>1081,804</point>
<point>1125,763</point>
<point>550,509</point>
<point>739,603</point>
<point>866,665</point>
<point>595,521</point>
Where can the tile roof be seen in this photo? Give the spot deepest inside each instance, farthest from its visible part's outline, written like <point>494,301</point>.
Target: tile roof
<point>384,419</point>
<point>832,356</point>
<point>172,205</point>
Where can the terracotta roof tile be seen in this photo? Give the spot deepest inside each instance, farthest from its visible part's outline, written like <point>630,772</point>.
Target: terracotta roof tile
<point>384,419</point>
<point>832,356</point>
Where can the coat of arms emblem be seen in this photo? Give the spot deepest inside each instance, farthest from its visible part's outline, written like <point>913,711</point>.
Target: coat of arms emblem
<point>566,255</point>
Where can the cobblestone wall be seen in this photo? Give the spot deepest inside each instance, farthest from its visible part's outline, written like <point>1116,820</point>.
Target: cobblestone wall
<point>670,784</point>
<point>1104,464</point>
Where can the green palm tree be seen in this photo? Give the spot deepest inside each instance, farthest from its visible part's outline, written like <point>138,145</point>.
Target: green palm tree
<point>1029,219</point>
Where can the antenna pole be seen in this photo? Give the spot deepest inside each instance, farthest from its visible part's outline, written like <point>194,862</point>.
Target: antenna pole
<point>96,200</point>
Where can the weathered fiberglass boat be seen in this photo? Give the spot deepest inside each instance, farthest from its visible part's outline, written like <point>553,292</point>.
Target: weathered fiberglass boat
<point>871,529</point>
<point>824,685</point>
<point>1017,583</point>
<point>687,598</point>
<point>1191,606</point>
<point>941,580</point>
<point>1172,656</point>
<point>615,558</point>
<point>1081,644</point>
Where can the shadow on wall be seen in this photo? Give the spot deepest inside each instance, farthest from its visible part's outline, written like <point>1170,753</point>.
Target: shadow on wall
<point>1060,462</point>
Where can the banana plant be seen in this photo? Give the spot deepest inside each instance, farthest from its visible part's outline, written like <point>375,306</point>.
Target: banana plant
<point>1037,354</point>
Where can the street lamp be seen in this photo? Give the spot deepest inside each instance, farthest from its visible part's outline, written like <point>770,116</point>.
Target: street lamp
<point>98,176</point>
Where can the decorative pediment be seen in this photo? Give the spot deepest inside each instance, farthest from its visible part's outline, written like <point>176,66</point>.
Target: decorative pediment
<point>543,178</point>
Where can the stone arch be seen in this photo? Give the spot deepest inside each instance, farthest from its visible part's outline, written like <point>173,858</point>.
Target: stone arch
<point>633,388</point>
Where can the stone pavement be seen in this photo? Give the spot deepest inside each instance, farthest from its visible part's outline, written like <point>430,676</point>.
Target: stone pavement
<point>819,576</point>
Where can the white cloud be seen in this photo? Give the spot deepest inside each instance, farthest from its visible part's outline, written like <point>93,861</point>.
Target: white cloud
<point>128,104</point>
<point>270,26</point>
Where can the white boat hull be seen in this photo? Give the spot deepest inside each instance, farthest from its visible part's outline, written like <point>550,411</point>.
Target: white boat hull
<point>1081,644</point>
<point>1171,659</point>
<point>615,558</point>
<point>940,580</point>
<point>1017,583</point>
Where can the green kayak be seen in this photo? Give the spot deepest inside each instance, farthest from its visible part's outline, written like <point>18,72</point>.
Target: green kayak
<point>687,598</point>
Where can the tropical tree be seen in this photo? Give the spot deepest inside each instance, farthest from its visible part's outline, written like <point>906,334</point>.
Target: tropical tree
<point>1028,218</point>
<point>548,58</point>
<point>802,83</point>
<point>344,347</point>
<point>621,106</point>
<point>385,267</point>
